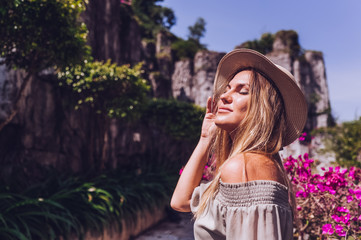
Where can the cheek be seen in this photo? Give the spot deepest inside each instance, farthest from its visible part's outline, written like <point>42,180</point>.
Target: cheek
<point>241,105</point>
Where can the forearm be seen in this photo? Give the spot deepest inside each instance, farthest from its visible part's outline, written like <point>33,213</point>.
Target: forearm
<point>190,177</point>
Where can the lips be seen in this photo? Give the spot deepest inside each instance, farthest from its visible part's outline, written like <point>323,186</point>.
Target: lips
<point>224,110</point>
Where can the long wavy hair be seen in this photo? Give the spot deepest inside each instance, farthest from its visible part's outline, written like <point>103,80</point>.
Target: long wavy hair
<point>261,131</point>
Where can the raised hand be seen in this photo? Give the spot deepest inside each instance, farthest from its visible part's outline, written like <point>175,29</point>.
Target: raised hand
<point>208,126</point>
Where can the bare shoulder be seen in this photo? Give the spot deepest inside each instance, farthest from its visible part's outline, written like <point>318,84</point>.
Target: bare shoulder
<point>246,167</point>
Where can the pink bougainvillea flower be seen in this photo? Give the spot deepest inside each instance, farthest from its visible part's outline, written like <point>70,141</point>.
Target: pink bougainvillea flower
<point>301,194</point>
<point>180,171</point>
<point>340,231</point>
<point>312,188</point>
<point>327,229</point>
<point>357,193</point>
<point>342,209</point>
<point>346,218</point>
<point>336,218</point>
<point>349,198</point>
<point>352,173</point>
<point>359,218</point>
<point>333,192</point>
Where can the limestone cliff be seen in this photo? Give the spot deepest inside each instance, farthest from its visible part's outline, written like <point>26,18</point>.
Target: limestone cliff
<point>192,79</point>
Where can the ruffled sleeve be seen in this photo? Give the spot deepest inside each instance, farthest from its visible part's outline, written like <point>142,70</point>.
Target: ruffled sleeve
<point>197,195</point>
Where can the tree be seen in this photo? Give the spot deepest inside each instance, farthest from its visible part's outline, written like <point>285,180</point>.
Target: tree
<point>41,34</point>
<point>197,30</point>
<point>151,17</point>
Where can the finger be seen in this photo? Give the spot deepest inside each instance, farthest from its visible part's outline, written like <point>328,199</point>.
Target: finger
<point>214,105</point>
<point>209,105</point>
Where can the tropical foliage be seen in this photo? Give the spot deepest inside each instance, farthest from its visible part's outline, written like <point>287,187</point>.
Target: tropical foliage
<point>72,206</point>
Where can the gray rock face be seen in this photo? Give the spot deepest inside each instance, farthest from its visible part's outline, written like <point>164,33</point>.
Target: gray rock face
<point>205,66</point>
<point>192,80</point>
<point>182,83</point>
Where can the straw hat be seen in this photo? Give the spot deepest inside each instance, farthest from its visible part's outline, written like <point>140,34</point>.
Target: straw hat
<point>293,98</point>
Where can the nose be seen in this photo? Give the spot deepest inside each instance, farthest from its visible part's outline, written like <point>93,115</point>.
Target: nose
<point>226,97</point>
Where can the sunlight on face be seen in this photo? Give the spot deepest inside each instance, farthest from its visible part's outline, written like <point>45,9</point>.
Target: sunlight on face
<point>233,103</point>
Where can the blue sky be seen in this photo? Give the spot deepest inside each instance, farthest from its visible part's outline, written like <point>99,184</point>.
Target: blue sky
<point>330,26</point>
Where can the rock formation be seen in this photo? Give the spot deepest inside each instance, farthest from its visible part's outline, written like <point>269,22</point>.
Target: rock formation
<point>192,79</point>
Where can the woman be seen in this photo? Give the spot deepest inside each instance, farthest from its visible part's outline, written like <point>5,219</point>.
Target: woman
<point>257,109</point>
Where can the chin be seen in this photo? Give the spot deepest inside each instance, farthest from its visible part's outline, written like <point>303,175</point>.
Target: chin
<point>228,127</point>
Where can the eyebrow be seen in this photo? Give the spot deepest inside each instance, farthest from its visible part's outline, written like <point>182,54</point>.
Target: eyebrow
<point>239,85</point>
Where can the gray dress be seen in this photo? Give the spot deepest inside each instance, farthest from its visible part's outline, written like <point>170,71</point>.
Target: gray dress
<point>244,211</point>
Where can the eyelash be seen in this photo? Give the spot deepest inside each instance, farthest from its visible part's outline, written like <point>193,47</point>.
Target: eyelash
<point>240,92</point>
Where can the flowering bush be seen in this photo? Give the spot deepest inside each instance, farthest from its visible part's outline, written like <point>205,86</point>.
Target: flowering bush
<point>328,204</point>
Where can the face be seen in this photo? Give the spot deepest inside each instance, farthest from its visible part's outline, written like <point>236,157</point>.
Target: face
<point>233,103</point>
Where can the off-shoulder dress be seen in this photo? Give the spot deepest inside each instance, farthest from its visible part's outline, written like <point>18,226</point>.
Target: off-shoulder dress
<point>254,210</point>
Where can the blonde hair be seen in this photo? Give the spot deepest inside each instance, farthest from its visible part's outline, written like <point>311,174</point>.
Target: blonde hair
<point>263,136</point>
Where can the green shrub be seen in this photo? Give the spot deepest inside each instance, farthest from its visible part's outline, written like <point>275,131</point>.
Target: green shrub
<point>180,120</point>
<point>263,45</point>
<point>344,140</point>
<point>185,48</point>
<point>117,91</point>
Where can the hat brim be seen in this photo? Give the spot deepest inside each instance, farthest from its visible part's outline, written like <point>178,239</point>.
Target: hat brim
<point>293,98</point>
